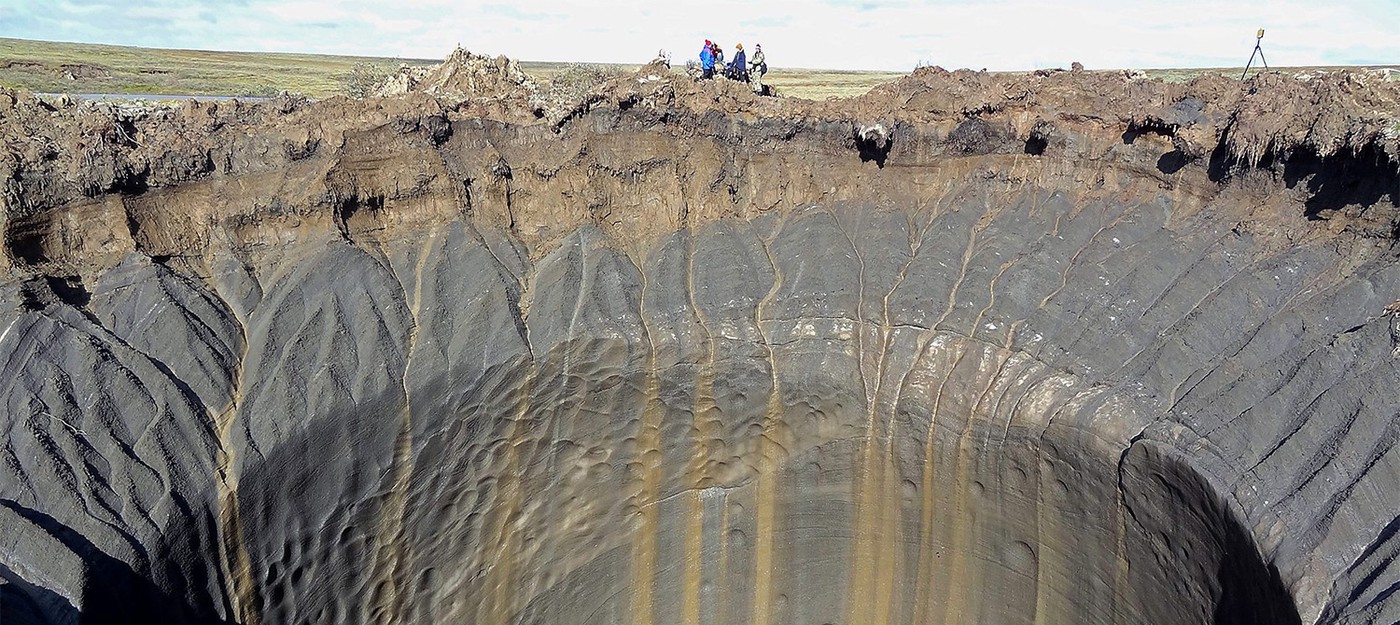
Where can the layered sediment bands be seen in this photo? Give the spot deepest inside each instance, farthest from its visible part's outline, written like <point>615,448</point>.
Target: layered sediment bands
<point>671,363</point>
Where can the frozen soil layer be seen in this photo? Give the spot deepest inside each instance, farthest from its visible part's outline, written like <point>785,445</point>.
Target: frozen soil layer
<point>1060,348</point>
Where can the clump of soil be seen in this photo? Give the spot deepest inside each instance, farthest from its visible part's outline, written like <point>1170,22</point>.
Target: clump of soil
<point>472,80</point>
<point>497,87</point>
<point>1324,113</point>
<point>83,71</point>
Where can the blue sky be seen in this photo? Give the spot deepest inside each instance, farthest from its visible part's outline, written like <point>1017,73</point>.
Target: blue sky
<point>836,34</point>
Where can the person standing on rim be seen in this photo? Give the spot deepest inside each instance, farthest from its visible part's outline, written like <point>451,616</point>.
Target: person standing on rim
<point>719,56</point>
<point>758,66</point>
<point>707,60</point>
<point>738,68</point>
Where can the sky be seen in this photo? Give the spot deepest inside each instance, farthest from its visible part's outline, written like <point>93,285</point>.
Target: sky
<point>894,35</point>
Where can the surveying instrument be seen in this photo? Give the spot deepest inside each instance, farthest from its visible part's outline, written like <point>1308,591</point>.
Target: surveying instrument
<point>1257,50</point>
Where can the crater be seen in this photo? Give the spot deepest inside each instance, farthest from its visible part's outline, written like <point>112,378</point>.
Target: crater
<point>683,356</point>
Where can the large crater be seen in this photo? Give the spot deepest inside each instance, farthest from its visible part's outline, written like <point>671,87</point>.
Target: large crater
<point>959,351</point>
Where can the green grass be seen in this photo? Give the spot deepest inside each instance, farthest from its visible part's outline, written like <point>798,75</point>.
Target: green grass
<point>90,68</point>
<point>819,84</point>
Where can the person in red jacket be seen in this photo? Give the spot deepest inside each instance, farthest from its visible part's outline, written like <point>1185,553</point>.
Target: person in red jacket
<point>707,60</point>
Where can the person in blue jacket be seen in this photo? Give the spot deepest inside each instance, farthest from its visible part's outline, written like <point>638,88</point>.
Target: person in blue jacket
<point>707,60</point>
<point>738,68</point>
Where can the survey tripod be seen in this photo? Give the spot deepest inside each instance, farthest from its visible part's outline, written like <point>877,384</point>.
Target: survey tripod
<point>1257,50</point>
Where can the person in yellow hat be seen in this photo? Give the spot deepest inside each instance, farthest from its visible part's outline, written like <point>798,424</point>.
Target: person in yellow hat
<point>739,68</point>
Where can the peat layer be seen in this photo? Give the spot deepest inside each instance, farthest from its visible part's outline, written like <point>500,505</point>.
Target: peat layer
<point>1061,347</point>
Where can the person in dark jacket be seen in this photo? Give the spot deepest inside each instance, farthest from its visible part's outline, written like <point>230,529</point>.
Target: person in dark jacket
<point>738,68</point>
<point>719,56</point>
<point>707,60</point>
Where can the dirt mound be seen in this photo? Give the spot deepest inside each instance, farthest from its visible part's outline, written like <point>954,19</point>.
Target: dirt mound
<point>1325,114</point>
<point>497,88</point>
<point>83,71</point>
<point>1272,114</point>
<point>466,79</point>
<point>67,71</point>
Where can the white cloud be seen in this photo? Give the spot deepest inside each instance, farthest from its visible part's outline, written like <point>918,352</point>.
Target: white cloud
<point>842,34</point>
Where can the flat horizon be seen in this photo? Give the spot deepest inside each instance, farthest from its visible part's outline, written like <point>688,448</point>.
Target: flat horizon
<point>853,35</point>
<point>674,61</point>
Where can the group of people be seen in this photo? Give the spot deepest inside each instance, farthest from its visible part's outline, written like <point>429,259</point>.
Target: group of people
<point>741,68</point>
